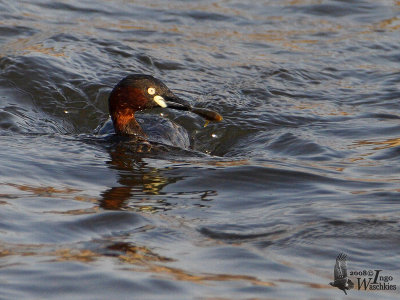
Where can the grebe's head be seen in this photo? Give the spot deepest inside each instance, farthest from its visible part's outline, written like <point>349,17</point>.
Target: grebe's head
<point>138,92</point>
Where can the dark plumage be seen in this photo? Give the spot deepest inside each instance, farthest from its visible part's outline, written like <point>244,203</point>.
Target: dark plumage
<point>139,92</point>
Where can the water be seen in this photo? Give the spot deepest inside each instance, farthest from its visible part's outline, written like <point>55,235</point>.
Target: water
<point>303,167</point>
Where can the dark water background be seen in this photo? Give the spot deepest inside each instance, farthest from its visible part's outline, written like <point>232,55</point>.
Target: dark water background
<point>305,164</point>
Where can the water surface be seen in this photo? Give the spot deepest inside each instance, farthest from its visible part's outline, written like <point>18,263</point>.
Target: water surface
<point>303,167</point>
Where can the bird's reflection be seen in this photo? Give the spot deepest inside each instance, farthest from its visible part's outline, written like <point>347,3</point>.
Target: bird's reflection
<point>136,179</point>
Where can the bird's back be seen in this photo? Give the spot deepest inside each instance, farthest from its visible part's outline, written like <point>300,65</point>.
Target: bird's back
<point>158,130</point>
<point>164,131</point>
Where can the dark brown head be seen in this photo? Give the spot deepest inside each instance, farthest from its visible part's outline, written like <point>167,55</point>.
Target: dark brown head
<point>138,92</point>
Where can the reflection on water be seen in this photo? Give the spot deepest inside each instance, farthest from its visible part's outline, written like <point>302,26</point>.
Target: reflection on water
<point>136,181</point>
<point>380,145</point>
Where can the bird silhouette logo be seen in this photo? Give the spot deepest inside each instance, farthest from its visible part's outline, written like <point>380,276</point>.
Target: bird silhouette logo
<point>341,281</point>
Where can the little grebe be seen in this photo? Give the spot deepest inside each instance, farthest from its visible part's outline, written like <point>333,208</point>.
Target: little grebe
<point>138,92</point>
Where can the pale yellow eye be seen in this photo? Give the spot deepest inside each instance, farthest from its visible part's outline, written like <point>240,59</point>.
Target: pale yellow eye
<point>151,91</point>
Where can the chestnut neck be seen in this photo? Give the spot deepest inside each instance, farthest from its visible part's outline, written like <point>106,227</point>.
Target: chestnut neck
<point>125,123</point>
<point>123,102</point>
